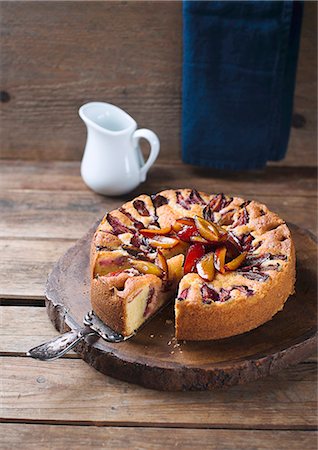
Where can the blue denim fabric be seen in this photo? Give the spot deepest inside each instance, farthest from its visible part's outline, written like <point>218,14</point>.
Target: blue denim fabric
<point>239,67</point>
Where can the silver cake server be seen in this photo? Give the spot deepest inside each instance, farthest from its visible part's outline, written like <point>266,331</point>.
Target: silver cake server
<point>57,347</point>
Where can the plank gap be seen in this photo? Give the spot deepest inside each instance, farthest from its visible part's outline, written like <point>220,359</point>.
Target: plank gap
<point>18,301</point>
<point>132,424</point>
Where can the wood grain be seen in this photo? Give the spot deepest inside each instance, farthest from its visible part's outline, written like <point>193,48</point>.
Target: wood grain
<point>49,200</point>
<point>120,52</point>
<point>30,437</point>
<point>36,391</point>
<point>65,176</point>
<point>46,175</point>
<point>127,55</point>
<point>29,326</point>
<point>25,265</point>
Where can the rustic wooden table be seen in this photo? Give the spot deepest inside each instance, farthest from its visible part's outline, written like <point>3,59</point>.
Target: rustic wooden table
<point>45,207</point>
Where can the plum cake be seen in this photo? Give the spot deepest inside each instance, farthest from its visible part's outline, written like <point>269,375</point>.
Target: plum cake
<point>228,263</point>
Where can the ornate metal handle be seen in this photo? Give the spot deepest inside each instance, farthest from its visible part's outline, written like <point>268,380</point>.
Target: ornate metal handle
<point>57,347</point>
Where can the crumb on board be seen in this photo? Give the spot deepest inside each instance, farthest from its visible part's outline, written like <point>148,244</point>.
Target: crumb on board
<point>176,345</point>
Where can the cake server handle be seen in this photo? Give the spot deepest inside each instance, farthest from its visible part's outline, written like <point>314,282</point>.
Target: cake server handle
<point>57,347</point>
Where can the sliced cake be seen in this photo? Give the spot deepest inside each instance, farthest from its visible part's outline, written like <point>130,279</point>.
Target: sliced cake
<point>229,263</point>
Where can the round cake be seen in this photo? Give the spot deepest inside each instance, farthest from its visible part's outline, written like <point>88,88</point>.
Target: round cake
<point>228,263</point>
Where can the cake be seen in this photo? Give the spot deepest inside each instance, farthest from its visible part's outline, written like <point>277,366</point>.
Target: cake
<point>228,263</point>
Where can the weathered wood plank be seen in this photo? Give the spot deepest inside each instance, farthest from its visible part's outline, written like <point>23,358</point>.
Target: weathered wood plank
<point>69,390</point>
<point>28,437</point>
<point>48,175</point>
<point>45,214</point>
<point>68,215</point>
<point>112,51</point>
<point>24,328</point>
<point>303,140</point>
<point>48,199</point>
<point>124,61</point>
<point>65,176</point>
<point>25,264</point>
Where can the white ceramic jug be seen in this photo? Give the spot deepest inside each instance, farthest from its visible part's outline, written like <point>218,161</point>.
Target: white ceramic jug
<point>113,163</point>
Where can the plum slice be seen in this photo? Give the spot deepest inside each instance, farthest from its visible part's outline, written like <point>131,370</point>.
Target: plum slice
<point>114,262</point>
<point>182,201</point>
<point>227,218</point>
<point>140,206</point>
<point>104,267</point>
<point>255,275</point>
<point>183,295</point>
<point>242,219</point>
<point>163,241</point>
<point>195,252</point>
<point>159,200</point>
<point>150,232</point>
<point>148,301</point>
<point>162,263</point>
<point>207,229</point>
<point>138,240</point>
<point>235,263</point>
<point>242,288</point>
<point>205,267</point>
<point>199,239</point>
<point>136,252</point>
<point>180,223</point>
<point>218,202</point>
<point>246,241</point>
<point>242,243</point>
<point>219,259</point>
<point>255,260</point>
<point>224,295</point>
<point>137,223</point>
<point>117,226</point>
<point>195,197</point>
<point>209,294</point>
<point>147,267</point>
<point>111,262</point>
<point>187,232</point>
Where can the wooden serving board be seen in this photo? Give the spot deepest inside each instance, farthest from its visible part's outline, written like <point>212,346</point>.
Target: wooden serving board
<point>154,359</point>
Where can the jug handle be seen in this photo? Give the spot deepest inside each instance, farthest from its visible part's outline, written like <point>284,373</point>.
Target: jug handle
<point>154,142</point>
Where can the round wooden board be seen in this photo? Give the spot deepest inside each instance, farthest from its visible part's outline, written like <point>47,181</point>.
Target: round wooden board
<point>149,360</point>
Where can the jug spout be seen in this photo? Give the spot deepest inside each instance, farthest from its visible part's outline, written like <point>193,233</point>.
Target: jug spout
<point>106,118</point>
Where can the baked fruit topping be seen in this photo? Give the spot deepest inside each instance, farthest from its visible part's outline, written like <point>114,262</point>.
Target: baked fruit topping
<point>205,267</point>
<point>194,254</point>
<point>229,262</point>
